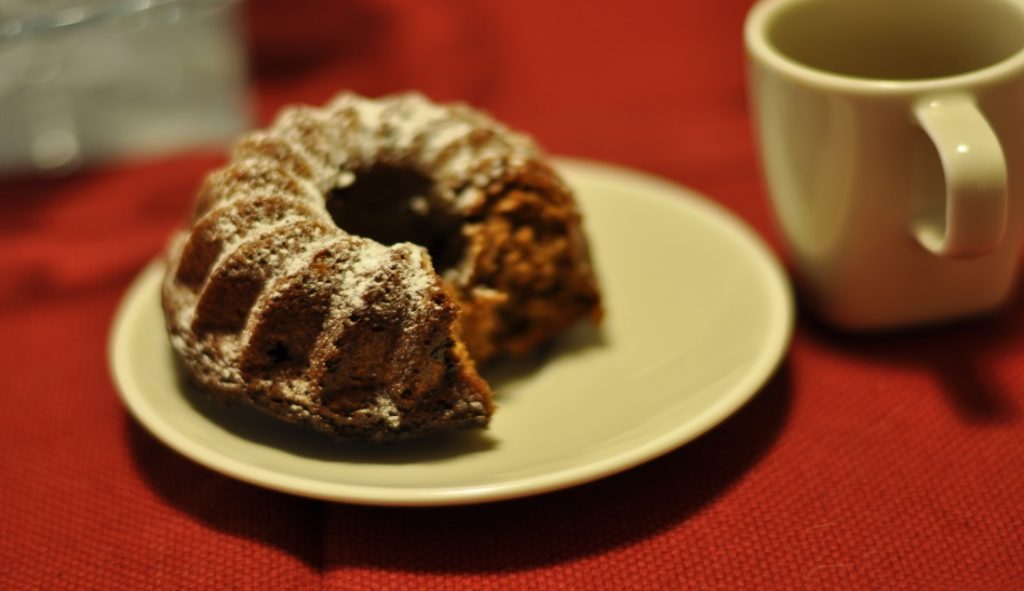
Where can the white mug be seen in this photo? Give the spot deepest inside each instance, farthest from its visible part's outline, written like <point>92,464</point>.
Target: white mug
<point>892,142</point>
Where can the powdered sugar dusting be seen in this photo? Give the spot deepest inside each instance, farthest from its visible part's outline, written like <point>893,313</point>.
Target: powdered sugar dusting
<point>450,144</point>
<point>384,409</point>
<point>419,275</point>
<point>306,153</point>
<point>370,257</point>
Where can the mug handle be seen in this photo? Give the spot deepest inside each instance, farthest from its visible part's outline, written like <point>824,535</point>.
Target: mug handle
<point>975,170</point>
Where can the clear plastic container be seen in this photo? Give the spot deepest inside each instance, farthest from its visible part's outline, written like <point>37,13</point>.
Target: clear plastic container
<point>87,82</point>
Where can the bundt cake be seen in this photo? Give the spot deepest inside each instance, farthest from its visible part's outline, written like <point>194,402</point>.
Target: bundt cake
<point>351,264</point>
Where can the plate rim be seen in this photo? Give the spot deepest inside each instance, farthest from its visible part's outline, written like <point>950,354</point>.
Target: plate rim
<point>762,367</point>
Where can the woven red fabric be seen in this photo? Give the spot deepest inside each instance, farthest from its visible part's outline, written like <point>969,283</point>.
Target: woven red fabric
<point>891,462</point>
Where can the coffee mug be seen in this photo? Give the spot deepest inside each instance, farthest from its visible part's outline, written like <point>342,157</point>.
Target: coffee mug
<point>892,143</point>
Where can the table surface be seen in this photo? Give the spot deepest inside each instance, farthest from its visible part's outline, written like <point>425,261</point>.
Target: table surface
<point>891,461</point>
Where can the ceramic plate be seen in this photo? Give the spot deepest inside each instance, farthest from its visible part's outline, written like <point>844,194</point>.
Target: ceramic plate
<point>699,314</point>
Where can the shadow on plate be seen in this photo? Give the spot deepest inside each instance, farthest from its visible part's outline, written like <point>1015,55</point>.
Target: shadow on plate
<point>533,532</point>
<point>505,375</point>
<point>247,423</point>
<point>568,525</point>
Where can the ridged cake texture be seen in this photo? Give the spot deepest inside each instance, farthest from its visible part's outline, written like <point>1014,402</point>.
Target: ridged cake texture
<point>274,297</point>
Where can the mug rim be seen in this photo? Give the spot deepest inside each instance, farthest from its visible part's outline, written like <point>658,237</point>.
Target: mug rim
<point>759,47</point>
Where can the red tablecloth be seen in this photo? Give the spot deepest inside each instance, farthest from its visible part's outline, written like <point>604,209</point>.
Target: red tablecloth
<point>882,462</point>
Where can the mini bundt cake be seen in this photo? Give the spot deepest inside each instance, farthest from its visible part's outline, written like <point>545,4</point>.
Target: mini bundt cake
<point>351,263</point>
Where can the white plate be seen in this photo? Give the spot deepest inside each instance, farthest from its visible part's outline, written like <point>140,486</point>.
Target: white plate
<point>699,314</point>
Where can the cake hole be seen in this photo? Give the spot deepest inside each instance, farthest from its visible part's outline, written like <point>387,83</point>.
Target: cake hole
<point>392,204</point>
<point>278,353</point>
